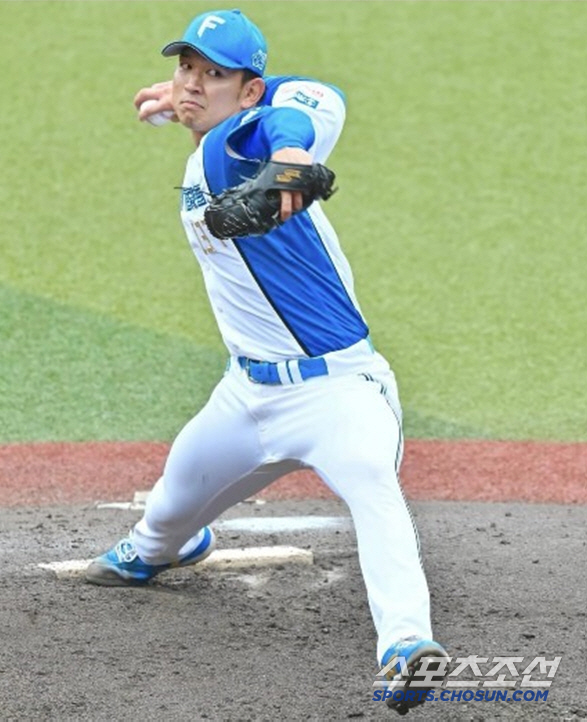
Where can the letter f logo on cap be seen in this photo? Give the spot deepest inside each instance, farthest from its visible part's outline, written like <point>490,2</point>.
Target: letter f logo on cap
<point>238,44</point>
<point>210,23</point>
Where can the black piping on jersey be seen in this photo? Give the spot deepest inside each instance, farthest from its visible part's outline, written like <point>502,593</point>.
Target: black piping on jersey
<point>268,297</point>
<point>383,392</point>
<point>270,301</point>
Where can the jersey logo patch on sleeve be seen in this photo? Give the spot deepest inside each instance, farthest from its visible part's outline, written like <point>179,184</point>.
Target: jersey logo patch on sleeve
<point>306,100</point>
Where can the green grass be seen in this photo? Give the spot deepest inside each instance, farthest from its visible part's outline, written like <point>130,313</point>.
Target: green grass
<point>95,378</point>
<point>462,174</point>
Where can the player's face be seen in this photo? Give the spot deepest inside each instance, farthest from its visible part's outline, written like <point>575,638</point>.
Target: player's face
<point>205,94</point>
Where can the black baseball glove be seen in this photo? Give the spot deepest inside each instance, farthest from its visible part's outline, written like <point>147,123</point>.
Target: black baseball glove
<point>252,208</point>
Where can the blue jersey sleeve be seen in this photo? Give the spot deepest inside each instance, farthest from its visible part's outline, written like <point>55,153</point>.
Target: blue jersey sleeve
<point>269,130</point>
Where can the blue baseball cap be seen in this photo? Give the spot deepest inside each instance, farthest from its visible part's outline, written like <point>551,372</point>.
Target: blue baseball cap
<point>227,38</point>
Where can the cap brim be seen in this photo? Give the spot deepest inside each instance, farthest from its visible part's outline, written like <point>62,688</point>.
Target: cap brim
<point>180,46</point>
<point>177,47</point>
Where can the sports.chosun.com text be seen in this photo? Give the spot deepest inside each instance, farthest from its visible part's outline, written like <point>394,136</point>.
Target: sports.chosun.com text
<point>454,695</point>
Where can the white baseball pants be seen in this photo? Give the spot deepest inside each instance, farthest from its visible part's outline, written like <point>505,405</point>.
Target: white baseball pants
<point>348,429</point>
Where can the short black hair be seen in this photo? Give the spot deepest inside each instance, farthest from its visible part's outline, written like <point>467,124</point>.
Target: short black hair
<point>249,75</point>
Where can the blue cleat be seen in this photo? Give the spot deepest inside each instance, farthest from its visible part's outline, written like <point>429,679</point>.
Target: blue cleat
<point>407,687</point>
<point>122,567</point>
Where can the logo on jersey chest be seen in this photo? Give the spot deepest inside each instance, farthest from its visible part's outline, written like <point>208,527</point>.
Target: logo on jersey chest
<point>192,197</point>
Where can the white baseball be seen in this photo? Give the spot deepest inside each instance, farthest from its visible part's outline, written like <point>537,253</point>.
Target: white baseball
<point>160,118</point>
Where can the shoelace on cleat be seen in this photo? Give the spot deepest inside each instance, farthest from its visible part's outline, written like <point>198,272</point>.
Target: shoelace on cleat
<point>125,551</point>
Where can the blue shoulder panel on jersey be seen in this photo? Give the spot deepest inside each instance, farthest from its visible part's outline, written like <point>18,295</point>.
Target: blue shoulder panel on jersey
<point>297,276</point>
<point>271,129</point>
<point>253,134</point>
<point>224,171</point>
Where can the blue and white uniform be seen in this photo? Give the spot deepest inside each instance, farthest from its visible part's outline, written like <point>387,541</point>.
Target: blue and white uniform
<point>304,387</point>
<point>291,293</point>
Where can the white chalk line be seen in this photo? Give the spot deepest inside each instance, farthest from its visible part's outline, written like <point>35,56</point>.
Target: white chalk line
<point>220,559</point>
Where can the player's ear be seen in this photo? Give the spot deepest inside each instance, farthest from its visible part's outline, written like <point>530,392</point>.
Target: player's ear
<point>252,92</point>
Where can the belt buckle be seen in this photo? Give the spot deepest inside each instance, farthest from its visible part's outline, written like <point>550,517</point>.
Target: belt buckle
<point>248,370</point>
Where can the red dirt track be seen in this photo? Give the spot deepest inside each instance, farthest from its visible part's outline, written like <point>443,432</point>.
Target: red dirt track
<point>60,473</point>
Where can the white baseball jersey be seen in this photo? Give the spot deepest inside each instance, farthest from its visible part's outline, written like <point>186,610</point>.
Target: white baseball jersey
<point>290,293</point>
